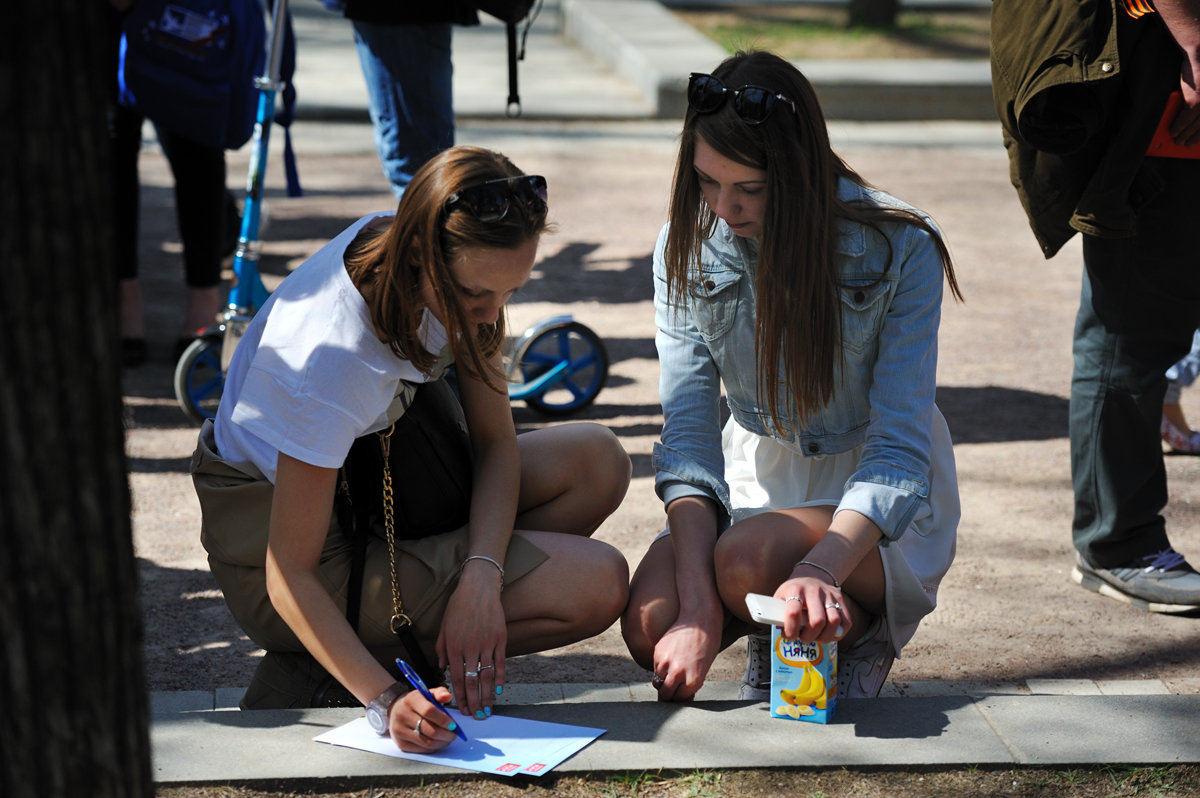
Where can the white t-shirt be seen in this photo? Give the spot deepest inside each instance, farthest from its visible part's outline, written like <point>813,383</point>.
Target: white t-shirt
<point>310,374</point>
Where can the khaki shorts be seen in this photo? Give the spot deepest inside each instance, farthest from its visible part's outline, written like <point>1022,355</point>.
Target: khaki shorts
<point>235,500</point>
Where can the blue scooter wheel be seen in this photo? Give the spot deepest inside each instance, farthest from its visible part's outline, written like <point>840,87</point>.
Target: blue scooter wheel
<point>199,380</point>
<point>586,361</point>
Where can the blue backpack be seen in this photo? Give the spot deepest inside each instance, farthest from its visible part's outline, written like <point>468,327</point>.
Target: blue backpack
<point>189,66</point>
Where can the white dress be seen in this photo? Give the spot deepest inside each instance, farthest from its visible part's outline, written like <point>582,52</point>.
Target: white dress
<point>765,473</point>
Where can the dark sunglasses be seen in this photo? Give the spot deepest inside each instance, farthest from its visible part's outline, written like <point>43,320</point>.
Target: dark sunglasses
<point>490,201</point>
<point>753,104</point>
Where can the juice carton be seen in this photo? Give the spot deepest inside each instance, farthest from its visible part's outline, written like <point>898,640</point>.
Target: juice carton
<point>803,679</point>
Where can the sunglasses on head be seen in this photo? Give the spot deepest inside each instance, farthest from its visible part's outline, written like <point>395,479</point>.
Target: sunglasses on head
<point>490,201</point>
<point>753,104</point>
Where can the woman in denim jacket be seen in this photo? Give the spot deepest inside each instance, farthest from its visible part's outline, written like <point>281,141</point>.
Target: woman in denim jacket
<point>836,492</point>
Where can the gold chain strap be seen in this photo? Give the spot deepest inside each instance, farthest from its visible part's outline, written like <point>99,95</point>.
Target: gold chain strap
<point>399,618</point>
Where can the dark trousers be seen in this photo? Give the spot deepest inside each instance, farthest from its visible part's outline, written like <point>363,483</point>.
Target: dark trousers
<point>204,208</point>
<point>1140,305</point>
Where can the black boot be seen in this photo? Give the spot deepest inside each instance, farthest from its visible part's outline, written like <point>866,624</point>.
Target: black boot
<point>294,680</point>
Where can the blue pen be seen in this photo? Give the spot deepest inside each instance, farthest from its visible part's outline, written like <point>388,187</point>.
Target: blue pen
<point>419,685</point>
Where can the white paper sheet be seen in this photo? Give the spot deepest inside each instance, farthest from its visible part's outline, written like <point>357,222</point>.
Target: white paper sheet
<point>501,745</point>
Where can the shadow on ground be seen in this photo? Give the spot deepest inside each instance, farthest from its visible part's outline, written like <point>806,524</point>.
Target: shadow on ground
<point>995,414</point>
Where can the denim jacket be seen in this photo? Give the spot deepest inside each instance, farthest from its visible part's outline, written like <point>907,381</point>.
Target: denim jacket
<point>886,377</point>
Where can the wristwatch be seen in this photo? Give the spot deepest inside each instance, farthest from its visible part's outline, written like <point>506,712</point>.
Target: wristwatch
<point>377,710</point>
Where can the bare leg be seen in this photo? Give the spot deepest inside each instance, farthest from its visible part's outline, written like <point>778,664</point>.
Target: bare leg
<point>577,593</point>
<point>572,478</point>
<point>654,605</point>
<point>756,555</point>
<point>653,602</point>
<point>202,307</point>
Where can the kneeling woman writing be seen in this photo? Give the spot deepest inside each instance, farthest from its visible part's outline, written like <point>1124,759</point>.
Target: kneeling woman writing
<point>355,512</point>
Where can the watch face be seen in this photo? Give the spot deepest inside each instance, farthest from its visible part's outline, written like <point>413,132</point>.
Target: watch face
<point>377,717</point>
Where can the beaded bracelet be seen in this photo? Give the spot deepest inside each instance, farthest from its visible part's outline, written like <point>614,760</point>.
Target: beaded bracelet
<point>499,567</point>
<point>836,583</point>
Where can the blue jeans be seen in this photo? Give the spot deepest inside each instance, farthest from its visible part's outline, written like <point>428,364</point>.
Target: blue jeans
<point>408,72</point>
<point>1140,306</point>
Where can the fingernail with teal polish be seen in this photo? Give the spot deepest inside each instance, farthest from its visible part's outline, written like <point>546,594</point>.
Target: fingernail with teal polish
<point>453,725</point>
<point>479,714</point>
<point>487,711</point>
<point>499,689</point>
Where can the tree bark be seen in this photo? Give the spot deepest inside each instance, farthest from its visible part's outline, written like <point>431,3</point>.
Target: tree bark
<point>72,685</point>
<point>874,13</point>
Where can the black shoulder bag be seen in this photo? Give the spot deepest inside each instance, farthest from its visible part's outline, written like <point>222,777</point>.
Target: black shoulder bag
<point>410,481</point>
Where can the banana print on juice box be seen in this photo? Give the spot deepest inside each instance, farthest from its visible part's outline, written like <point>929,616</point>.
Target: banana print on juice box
<point>803,679</point>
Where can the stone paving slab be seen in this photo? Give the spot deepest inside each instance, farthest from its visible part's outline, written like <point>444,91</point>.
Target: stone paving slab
<point>166,703</point>
<point>1002,730</point>
<point>1069,730</point>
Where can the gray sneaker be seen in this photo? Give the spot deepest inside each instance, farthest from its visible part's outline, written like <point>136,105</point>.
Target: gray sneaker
<point>1162,582</point>
<point>756,681</point>
<point>864,667</point>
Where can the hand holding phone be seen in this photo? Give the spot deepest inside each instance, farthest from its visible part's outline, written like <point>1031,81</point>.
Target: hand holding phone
<point>770,610</point>
<point>765,609</point>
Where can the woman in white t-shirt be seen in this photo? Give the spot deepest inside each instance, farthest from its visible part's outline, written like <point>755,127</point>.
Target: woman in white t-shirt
<point>358,336</point>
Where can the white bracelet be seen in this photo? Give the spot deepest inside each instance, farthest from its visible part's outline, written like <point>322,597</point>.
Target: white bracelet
<point>836,583</point>
<point>499,567</point>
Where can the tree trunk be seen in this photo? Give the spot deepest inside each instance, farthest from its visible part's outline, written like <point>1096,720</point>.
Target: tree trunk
<point>874,13</point>
<point>72,686</point>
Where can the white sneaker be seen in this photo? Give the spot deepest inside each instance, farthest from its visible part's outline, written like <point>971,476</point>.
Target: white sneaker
<point>756,681</point>
<point>864,667</point>
<point>1179,442</point>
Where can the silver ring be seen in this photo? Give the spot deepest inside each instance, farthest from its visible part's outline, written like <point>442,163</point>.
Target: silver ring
<point>417,728</point>
<point>471,674</point>
<point>485,667</point>
<point>833,605</point>
<point>792,598</point>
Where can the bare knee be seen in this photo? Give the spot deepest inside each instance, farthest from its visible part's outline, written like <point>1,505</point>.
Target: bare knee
<point>600,595</point>
<point>636,623</point>
<point>605,466</point>
<point>573,477</point>
<point>601,470</point>
<point>650,611</point>
<point>743,567</point>
<point>611,574</point>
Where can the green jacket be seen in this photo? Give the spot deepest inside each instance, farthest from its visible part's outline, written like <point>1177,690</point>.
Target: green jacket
<point>1080,87</point>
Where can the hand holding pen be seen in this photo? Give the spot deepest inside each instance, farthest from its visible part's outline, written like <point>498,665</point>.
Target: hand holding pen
<point>433,726</point>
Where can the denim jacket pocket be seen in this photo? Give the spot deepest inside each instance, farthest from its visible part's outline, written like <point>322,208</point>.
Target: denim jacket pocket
<point>714,296</point>
<point>863,306</point>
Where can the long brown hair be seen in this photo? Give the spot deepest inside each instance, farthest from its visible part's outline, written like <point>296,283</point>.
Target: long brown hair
<point>797,263</point>
<point>424,237</point>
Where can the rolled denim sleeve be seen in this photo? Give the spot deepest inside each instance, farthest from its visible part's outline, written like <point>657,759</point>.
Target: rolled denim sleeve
<point>689,461</point>
<point>892,479</point>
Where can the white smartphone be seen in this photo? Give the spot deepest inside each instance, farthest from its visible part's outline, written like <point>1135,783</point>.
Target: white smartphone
<point>765,609</point>
<point>769,610</point>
